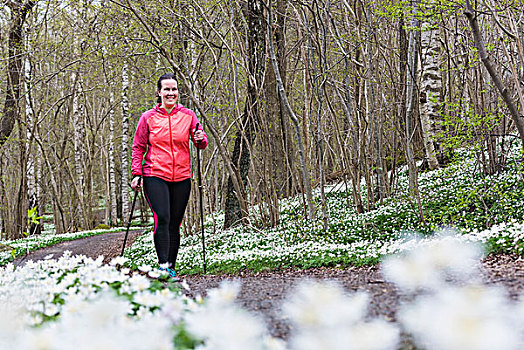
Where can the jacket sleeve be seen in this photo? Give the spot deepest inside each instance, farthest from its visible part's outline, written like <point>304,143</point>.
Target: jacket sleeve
<point>194,122</point>
<point>139,146</point>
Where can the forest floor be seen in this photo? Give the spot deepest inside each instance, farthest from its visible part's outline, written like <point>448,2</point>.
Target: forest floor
<point>263,293</point>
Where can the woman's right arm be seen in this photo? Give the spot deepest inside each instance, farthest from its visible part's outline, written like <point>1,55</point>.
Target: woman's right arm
<point>139,146</point>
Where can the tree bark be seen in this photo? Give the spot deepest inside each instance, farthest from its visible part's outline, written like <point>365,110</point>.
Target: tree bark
<point>410,90</point>
<point>78,141</point>
<point>280,86</point>
<point>246,134</point>
<point>11,110</point>
<point>125,141</point>
<point>276,123</point>
<point>113,216</point>
<point>431,87</point>
<point>33,188</point>
<point>376,122</point>
<point>410,96</point>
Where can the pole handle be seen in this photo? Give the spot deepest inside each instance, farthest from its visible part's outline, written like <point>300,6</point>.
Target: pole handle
<point>196,128</point>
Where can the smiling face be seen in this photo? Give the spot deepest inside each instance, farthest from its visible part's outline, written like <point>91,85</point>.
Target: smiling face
<point>168,93</point>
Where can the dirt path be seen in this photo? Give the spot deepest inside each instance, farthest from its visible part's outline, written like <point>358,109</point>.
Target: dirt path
<point>263,293</point>
<point>108,244</point>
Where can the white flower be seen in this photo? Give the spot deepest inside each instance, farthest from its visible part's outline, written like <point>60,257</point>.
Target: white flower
<point>41,339</point>
<point>324,317</point>
<point>106,309</point>
<point>139,283</point>
<point>51,309</point>
<point>324,304</point>
<point>431,262</point>
<point>374,335</point>
<point>173,309</point>
<point>222,324</point>
<point>271,343</point>
<point>185,285</point>
<point>118,261</point>
<point>225,294</point>
<point>325,339</point>
<point>153,274</point>
<point>145,268</point>
<point>468,318</point>
<point>411,272</point>
<point>226,328</point>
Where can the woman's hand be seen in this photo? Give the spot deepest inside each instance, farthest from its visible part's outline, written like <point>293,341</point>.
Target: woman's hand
<point>198,136</point>
<point>136,183</point>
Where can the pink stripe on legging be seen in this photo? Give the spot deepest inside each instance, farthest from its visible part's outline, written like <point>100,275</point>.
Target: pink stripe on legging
<point>154,214</point>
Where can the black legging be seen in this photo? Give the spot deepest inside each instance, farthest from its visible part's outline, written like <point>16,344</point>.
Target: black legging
<point>168,201</point>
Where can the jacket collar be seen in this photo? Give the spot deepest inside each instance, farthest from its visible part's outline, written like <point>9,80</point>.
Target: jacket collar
<point>159,109</point>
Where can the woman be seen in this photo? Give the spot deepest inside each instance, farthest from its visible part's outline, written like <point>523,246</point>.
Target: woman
<point>161,160</point>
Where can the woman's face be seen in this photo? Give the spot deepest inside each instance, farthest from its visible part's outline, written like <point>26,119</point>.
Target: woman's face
<point>169,93</point>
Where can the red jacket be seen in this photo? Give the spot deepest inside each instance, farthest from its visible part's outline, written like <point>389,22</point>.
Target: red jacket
<point>164,139</point>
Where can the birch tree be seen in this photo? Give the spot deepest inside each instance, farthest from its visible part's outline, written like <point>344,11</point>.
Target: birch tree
<point>125,139</point>
<point>111,158</point>
<point>430,91</point>
<point>410,94</point>
<point>33,166</point>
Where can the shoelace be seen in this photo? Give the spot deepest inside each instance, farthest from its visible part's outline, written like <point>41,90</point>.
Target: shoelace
<point>170,271</point>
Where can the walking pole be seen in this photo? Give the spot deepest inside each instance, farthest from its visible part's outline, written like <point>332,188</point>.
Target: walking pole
<point>130,218</point>
<point>201,202</point>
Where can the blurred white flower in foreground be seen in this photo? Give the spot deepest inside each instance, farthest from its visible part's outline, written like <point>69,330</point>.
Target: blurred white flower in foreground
<point>223,325</point>
<point>470,316</point>
<point>11,327</point>
<point>432,262</point>
<point>118,261</point>
<point>473,317</point>
<point>325,317</point>
<point>103,324</point>
<point>324,305</point>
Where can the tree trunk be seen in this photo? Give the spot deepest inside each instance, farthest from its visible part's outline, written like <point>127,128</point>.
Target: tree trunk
<point>431,88</point>
<point>294,119</point>
<point>113,216</point>
<point>276,123</point>
<point>352,125</point>
<point>125,141</point>
<point>410,90</point>
<point>410,128</point>
<point>11,111</point>
<point>245,136</point>
<point>376,121</point>
<point>15,49</point>
<point>319,89</point>
<point>79,140</point>
<point>33,189</point>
